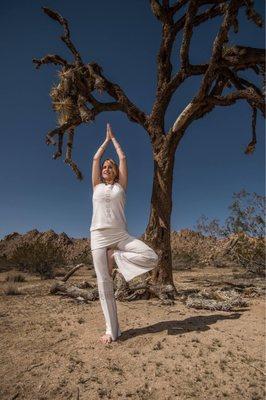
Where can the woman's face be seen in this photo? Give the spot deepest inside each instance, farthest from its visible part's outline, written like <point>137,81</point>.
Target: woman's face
<point>108,171</point>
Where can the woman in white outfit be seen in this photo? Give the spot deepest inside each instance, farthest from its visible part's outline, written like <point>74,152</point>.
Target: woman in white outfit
<point>110,239</point>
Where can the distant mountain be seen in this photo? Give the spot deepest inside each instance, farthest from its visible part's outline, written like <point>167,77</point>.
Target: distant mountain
<point>73,248</point>
<point>189,248</point>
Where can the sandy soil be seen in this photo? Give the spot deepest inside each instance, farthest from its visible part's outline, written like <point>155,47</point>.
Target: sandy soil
<point>50,348</point>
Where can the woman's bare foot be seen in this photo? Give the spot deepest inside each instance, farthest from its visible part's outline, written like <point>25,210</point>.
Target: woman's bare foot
<point>106,338</point>
<point>110,260</point>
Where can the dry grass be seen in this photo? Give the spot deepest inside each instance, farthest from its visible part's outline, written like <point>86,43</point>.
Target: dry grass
<point>16,278</point>
<point>12,290</point>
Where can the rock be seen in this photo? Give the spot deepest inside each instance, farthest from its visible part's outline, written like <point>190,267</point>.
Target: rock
<point>11,236</point>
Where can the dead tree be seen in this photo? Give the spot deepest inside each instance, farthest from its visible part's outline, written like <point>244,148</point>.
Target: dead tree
<point>75,102</point>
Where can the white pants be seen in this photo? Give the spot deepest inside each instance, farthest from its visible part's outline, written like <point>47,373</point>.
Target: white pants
<point>133,257</point>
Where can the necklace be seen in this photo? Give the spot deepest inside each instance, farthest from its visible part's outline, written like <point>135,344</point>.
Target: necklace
<point>109,183</point>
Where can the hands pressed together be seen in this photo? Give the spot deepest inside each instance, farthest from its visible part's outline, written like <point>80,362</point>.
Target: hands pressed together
<point>110,138</point>
<point>109,132</point>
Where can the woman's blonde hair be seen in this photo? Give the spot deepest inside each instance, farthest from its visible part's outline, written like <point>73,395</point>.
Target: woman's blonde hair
<point>114,166</point>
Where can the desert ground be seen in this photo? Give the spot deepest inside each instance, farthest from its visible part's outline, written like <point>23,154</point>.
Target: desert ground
<point>50,348</point>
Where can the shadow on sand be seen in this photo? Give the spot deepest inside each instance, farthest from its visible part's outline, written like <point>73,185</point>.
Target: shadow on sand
<point>199,323</point>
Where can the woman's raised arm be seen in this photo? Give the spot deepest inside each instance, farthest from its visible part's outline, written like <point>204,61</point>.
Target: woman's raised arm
<point>123,173</point>
<point>96,167</point>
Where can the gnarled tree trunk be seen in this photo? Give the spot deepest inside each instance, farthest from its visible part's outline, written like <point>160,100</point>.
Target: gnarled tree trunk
<point>158,232</point>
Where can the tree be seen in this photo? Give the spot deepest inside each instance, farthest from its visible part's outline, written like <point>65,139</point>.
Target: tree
<point>74,98</point>
<point>247,215</point>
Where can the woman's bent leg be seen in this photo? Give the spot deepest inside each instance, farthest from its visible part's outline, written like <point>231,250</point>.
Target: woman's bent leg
<point>134,257</point>
<point>106,292</point>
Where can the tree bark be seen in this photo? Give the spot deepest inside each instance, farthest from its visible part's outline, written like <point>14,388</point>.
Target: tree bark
<point>158,231</point>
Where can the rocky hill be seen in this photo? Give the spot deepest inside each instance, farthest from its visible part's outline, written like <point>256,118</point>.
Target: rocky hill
<point>189,248</point>
<point>72,248</point>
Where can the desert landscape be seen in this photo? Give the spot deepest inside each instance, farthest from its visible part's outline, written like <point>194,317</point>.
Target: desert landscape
<point>167,100</point>
<point>50,348</point>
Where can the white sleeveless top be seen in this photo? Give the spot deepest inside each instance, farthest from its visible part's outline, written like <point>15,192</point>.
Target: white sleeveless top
<point>108,206</point>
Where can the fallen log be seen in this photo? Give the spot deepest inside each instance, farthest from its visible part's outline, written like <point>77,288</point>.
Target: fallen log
<point>71,272</point>
<point>123,291</point>
<point>60,288</point>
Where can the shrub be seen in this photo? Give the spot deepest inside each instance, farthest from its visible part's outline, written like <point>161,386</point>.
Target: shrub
<point>185,258</point>
<point>38,257</point>
<point>84,257</point>
<point>16,278</point>
<point>247,215</point>
<point>246,227</point>
<point>250,253</point>
<point>12,290</point>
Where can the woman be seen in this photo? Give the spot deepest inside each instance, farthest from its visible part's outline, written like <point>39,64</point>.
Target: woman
<point>110,239</point>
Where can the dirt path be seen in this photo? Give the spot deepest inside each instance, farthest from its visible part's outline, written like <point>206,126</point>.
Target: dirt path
<point>49,348</point>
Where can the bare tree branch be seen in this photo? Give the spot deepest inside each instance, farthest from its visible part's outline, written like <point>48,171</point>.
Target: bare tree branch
<point>158,10</point>
<point>187,33</point>
<point>252,14</point>
<point>50,59</point>
<point>243,57</point>
<point>212,12</point>
<point>62,129</point>
<point>114,90</point>
<point>251,146</point>
<point>245,94</point>
<point>165,90</point>
<point>75,103</point>
<point>72,97</point>
<point>236,57</point>
<point>177,6</point>
<point>66,37</point>
<point>68,158</point>
<point>59,146</point>
<point>221,38</point>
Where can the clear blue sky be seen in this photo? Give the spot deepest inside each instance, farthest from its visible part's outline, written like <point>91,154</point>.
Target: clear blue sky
<point>123,37</point>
